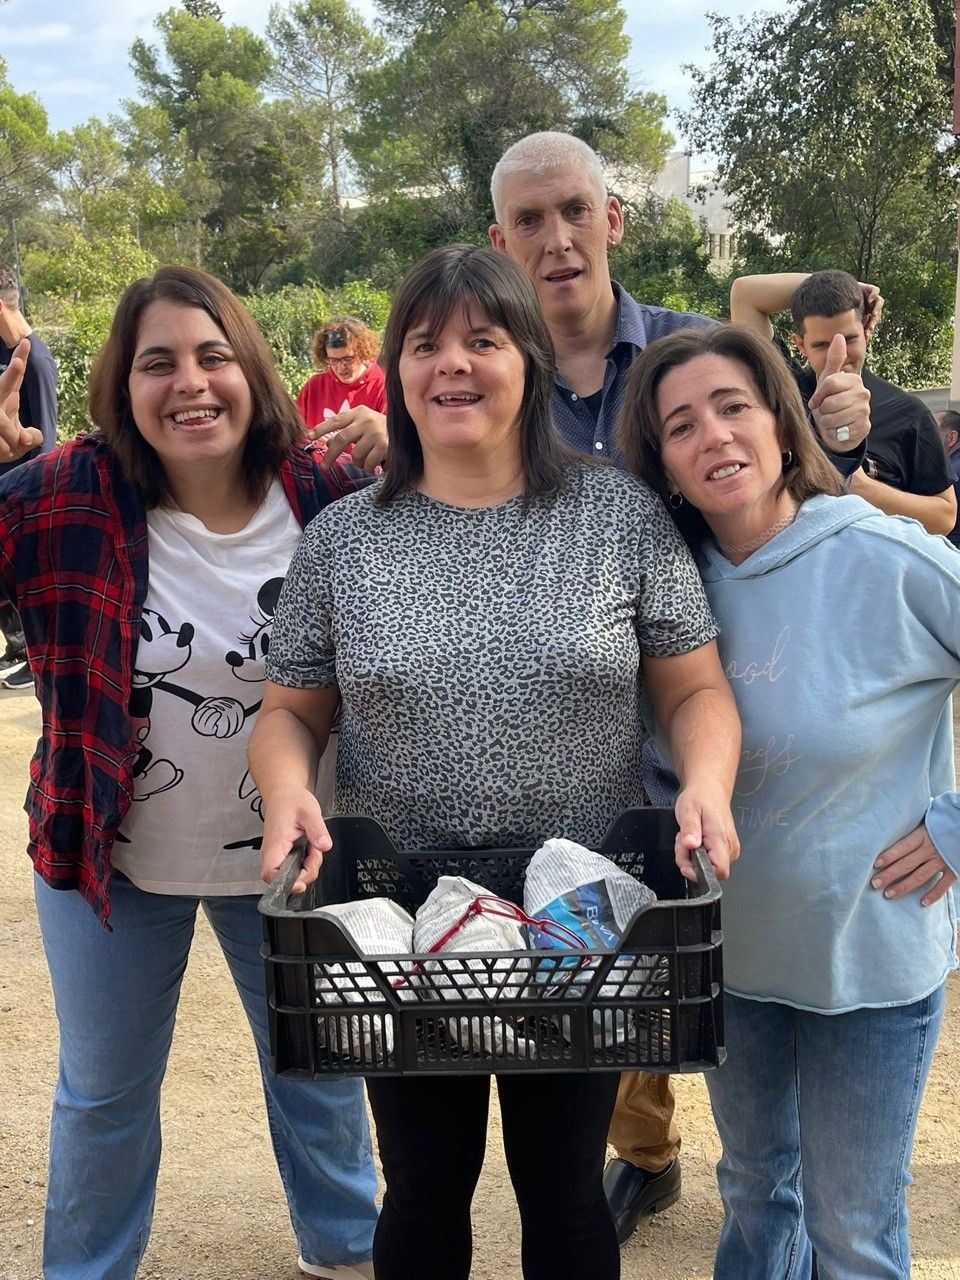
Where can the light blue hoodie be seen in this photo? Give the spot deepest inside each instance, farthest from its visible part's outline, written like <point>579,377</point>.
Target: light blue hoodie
<point>840,639</point>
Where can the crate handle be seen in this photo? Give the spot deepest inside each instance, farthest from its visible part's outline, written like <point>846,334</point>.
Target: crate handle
<point>701,860</point>
<point>277,894</point>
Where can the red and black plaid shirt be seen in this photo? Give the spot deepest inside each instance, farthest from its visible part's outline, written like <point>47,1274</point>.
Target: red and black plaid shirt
<point>73,559</point>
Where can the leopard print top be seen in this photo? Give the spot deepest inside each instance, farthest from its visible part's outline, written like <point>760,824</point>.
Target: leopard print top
<point>489,660</point>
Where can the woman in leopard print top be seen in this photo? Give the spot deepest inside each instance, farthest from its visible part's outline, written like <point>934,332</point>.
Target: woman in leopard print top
<point>486,615</point>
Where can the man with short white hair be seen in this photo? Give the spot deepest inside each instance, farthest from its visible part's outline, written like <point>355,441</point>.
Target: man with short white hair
<point>555,218</point>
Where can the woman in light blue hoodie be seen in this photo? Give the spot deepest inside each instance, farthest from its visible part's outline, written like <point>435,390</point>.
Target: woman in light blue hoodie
<point>840,629</point>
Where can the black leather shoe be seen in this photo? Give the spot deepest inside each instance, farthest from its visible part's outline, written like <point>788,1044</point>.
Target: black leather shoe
<point>634,1193</point>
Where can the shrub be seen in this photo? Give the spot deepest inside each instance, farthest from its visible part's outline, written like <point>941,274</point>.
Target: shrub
<point>74,332</point>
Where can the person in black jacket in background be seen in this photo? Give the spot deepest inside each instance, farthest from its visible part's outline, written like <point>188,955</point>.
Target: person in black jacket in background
<point>38,410</point>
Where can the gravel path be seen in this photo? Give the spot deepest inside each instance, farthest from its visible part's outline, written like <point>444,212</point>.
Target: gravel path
<point>220,1212</point>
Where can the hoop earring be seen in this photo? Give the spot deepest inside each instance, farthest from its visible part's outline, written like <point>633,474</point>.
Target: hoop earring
<point>787,459</point>
<point>676,501</point>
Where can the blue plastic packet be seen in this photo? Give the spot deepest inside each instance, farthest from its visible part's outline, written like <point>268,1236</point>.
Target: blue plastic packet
<point>585,911</point>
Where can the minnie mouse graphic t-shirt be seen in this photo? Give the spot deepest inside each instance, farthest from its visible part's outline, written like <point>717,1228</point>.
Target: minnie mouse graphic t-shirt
<point>195,824</point>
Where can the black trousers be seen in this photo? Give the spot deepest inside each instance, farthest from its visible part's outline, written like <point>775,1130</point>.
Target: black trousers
<point>12,628</point>
<point>432,1133</point>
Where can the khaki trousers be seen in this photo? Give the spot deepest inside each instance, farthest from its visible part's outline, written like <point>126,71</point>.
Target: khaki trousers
<point>642,1128</point>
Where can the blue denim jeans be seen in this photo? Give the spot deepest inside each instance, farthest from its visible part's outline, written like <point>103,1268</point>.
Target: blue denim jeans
<point>116,1000</point>
<point>817,1114</point>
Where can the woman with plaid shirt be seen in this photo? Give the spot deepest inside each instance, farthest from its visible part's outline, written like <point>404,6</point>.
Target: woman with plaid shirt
<point>145,561</point>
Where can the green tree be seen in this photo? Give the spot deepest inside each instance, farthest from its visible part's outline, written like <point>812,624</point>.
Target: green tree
<point>830,123</point>
<point>85,244</point>
<point>28,152</point>
<point>81,266</point>
<point>318,46</point>
<point>245,169</point>
<point>196,51</point>
<point>662,258</point>
<point>945,18</point>
<point>468,77</point>
<point>92,164</point>
<point>381,241</point>
<point>203,9</point>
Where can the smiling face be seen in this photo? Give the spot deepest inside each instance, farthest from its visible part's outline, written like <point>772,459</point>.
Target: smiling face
<point>189,397</point>
<point>720,447</point>
<point>558,228</point>
<point>819,332</point>
<point>463,386</point>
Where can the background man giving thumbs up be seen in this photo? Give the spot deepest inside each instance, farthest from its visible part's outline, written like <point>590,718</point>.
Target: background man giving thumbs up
<point>884,441</point>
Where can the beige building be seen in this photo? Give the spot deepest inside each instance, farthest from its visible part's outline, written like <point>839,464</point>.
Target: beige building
<point>699,191</point>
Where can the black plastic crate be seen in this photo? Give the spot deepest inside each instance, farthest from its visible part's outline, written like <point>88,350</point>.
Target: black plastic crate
<point>655,1004</point>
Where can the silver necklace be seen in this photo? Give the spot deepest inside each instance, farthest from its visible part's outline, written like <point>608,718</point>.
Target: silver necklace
<point>738,551</point>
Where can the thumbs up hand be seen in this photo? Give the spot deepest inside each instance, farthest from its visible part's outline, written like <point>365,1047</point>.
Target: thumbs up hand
<point>836,358</point>
<point>841,403</point>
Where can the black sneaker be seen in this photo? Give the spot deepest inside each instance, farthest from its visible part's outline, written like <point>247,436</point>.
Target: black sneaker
<point>10,663</point>
<point>20,679</point>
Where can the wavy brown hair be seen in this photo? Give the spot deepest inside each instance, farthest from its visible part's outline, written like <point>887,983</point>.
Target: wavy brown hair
<point>639,429</point>
<point>275,427</point>
<point>346,331</point>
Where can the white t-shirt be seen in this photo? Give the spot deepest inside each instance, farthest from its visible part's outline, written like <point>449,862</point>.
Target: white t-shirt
<point>195,823</point>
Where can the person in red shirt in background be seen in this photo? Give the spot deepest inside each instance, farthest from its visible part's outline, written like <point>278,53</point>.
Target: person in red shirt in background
<point>344,351</point>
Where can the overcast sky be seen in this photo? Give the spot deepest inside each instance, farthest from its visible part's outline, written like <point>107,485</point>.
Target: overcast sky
<point>74,55</point>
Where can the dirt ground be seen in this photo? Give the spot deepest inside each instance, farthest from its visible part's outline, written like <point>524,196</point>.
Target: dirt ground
<point>220,1211</point>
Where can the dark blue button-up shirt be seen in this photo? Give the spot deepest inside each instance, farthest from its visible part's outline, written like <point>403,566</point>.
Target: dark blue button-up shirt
<point>636,326</point>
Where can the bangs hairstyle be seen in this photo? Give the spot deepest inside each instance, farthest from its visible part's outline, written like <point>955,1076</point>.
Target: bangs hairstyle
<point>350,332</point>
<point>464,277</point>
<point>275,426</point>
<point>639,431</point>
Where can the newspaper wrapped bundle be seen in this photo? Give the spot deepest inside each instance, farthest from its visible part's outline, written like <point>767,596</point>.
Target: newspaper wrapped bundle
<point>570,885</point>
<point>376,926</point>
<point>460,916</point>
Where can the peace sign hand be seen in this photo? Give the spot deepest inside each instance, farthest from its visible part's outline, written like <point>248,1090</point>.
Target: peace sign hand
<point>15,440</point>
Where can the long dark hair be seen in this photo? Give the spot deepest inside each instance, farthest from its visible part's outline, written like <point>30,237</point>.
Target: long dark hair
<point>639,429</point>
<point>275,427</point>
<point>445,281</point>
